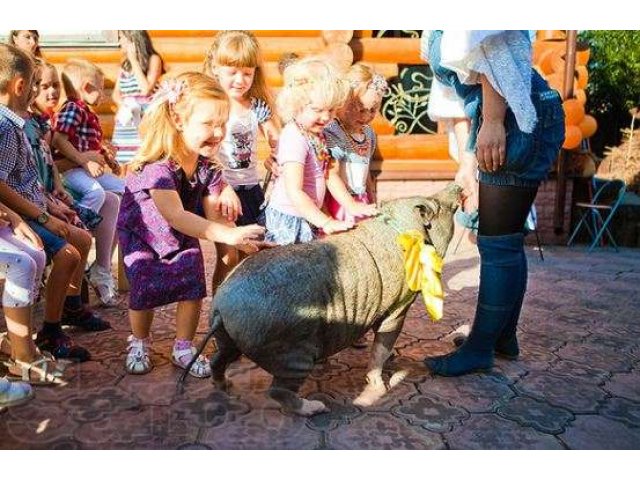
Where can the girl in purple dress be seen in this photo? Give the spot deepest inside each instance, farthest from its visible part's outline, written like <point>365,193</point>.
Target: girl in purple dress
<point>172,178</point>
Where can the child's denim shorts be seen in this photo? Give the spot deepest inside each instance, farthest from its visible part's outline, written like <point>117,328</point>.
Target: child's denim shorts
<point>529,155</point>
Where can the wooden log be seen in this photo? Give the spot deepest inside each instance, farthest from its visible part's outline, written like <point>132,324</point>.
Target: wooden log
<point>362,33</point>
<point>336,36</point>
<point>387,50</point>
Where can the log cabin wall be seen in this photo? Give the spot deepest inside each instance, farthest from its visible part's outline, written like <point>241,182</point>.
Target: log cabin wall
<point>401,160</point>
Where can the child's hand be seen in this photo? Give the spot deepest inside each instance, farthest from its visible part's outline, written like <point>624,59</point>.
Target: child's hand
<point>95,169</point>
<point>57,227</point>
<point>271,164</point>
<point>93,156</point>
<point>24,232</point>
<point>228,204</point>
<point>248,238</point>
<point>363,210</point>
<point>4,219</point>
<point>335,226</point>
<point>61,211</point>
<point>61,194</point>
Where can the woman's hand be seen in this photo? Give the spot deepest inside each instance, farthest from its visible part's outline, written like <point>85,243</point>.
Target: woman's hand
<point>491,146</point>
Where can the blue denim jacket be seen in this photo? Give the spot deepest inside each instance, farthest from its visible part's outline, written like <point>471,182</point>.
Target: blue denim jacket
<point>529,155</point>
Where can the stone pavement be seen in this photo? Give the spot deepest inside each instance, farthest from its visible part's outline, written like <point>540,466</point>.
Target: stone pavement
<point>576,385</point>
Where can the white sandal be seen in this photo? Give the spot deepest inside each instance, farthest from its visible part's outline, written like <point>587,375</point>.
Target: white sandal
<point>182,358</point>
<point>138,361</point>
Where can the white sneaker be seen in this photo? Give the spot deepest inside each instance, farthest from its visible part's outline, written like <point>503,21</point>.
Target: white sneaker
<point>103,284</point>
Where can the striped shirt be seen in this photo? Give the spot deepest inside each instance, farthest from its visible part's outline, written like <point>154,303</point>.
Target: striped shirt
<point>17,163</point>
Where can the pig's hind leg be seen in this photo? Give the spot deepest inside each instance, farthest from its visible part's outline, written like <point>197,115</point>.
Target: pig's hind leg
<point>226,353</point>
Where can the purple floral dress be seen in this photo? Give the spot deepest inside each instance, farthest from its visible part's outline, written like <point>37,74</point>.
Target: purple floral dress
<point>163,265</point>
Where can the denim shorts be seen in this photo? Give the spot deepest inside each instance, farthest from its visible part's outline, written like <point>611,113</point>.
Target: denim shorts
<point>285,229</point>
<point>251,199</point>
<point>52,243</point>
<point>529,156</point>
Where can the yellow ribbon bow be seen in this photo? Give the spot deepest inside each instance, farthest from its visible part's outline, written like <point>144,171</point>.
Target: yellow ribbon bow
<point>423,271</point>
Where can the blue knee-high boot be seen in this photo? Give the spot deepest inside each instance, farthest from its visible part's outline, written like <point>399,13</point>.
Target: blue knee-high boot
<point>501,290</point>
<point>507,343</point>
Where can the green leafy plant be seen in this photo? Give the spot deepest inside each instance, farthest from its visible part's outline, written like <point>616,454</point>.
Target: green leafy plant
<point>614,82</point>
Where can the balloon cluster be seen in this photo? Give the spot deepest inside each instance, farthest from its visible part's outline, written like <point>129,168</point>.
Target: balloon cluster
<point>549,59</point>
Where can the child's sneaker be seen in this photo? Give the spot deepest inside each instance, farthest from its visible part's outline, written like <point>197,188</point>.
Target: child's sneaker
<point>61,347</point>
<point>138,361</point>
<point>13,394</point>
<point>183,353</point>
<point>103,284</point>
<point>84,318</point>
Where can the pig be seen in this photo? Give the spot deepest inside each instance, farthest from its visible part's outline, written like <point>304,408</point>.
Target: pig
<point>287,307</point>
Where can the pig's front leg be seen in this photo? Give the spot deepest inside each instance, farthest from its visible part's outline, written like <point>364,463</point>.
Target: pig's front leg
<point>382,347</point>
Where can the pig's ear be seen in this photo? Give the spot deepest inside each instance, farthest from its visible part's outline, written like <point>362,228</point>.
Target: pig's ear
<point>427,211</point>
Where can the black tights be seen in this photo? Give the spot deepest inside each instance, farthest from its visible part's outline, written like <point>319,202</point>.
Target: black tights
<point>504,209</point>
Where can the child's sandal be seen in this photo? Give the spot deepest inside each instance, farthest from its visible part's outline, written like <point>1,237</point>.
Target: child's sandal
<point>138,361</point>
<point>182,357</point>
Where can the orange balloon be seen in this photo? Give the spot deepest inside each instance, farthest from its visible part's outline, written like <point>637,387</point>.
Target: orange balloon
<point>557,62</point>
<point>588,126</point>
<point>583,76</point>
<point>545,61</point>
<point>573,111</point>
<point>582,56</point>
<point>572,137</point>
<point>581,96</point>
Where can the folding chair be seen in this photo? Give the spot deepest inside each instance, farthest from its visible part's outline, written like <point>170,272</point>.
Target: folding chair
<point>607,197</point>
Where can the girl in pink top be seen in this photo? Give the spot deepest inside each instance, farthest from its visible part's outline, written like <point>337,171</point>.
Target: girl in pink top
<point>307,103</point>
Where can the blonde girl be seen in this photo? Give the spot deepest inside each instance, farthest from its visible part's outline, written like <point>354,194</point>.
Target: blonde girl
<point>307,103</point>
<point>171,179</point>
<point>234,59</point>
<point>352,141</point>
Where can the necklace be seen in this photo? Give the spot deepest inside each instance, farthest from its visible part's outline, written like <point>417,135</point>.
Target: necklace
<point>360,147</point>
<point>318,143</point>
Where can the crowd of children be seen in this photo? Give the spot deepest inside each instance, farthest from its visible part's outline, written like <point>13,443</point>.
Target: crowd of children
<point>188,145</point>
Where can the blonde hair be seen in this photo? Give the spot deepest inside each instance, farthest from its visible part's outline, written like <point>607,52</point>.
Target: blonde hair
<point>310,80</point>
<point>359,76</point>
<point>75,72</point>
<point>239,48</point>
<point>14,62</point>
<point>160,135</point>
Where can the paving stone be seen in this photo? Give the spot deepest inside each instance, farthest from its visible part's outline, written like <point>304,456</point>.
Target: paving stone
<point>539,415</point>
<point>622,410</point>
<point>209,410</point>
<point>263,429</point>
<point>596,356</point>
<point>158,387</point>
<point>341,412</point>
<point>382,432</point>
<point>34,425</point>
<point>475,393</point>
<point>580,371</point>
<point>625,385</point>
<point>591,432</point>
<point>491,432</point>
<point>575,395</point>
<point>148,428</point>
<point>99,403</point>
<point>431,412</point>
